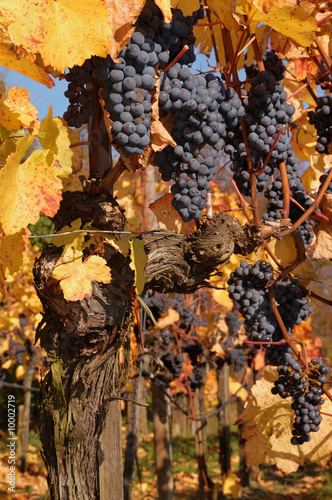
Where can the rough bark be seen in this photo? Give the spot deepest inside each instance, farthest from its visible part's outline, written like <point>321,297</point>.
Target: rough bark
<point>162,443</point>
<point>83,338</point>
<point>224,419</point>
<point>182,263</point>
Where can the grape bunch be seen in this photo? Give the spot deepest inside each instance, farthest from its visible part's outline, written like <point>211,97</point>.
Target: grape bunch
<point>128,89</point>
<point>247,286</point>
<point>173,363</point>
<point>274,209</point>
<point>159,303</point>
<point>203,109</point>
<point>321,118</point>
<point>304,385</point>
<point>79,109</point>
<point>266,112</point>
<point>170,37</point>
<point>194,349</point>
<point>129,84</point>
<point>272,64</point>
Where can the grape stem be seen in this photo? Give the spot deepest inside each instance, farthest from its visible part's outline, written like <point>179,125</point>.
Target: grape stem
<point>258,56</point>
<point>112,176</point>
<point>281,324</point>
<point>216,55</point>
<point>261,170</point>
<point>243,203</point>
<point>285,190</point>
<point>304,86</point>
<point>316,212</point>
<point>83,143</point>
<point>282,341</point>
<point>184,49</point>
<point>310,210</point>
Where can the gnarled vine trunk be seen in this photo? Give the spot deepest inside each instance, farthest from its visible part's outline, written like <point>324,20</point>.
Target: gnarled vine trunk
<point>83,339</point>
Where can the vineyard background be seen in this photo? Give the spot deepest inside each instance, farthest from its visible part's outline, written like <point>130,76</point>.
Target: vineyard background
<point>197,410</point>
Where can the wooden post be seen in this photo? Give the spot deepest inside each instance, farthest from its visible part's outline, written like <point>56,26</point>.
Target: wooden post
<point>224,419</point>
<point>110,452</point>
<point>162,444</point>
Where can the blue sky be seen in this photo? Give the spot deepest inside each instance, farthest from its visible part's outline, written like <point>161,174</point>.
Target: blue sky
<point>40,96</point>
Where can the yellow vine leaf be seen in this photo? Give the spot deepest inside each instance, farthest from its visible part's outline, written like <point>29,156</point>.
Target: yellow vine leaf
<point>64,32</point>
<point>297,23</point>
<point>304,137</point>
<point>120,243</point>
<point>165,7</point>
<point>160,135</point>
<point>9,59</point>
<point>28,188</point>
<point>76,275</point>
<point>168,319</point>
<point>138,261</point>
<point>318,164</point>
<point>16,110</point>
<point>67,239</point>
<point>13,251</point>
<point>234,386</point>
<point>53,136</point>
<point>268,430</point>
<point>8,142</point>
<point>286,252</point>
<point>323,248</point>
<point>265,5</point>
<point>231,485</point>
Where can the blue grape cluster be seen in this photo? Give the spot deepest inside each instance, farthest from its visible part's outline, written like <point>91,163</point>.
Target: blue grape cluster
<point>247,286</point>
<point>79,109</point>
<point>128,89</point>
<point>321,118</point>
<point>173,363</point>
<point>170,37</point>
<point>272,64</point>
<point>266,111</point>
<point>204,109</point>
<point>130,83</point>
<point>274,209</point>
<point>304,385</point>
<point>194,349</point>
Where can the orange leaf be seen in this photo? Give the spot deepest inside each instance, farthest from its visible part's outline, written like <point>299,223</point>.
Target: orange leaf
<point>168,217</point>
